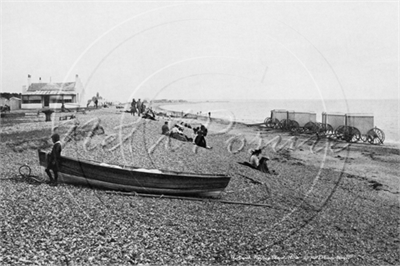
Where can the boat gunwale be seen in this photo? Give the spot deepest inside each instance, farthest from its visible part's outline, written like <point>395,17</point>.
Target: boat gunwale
<point>137,169</point>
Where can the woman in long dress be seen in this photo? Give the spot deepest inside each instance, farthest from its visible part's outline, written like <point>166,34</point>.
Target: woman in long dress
<point>200,137</point>
<point>258,162</point>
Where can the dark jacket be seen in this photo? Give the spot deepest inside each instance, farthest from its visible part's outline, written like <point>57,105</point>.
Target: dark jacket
<point>200,140</point>
<point>54,157</point>
<point>164,129</point>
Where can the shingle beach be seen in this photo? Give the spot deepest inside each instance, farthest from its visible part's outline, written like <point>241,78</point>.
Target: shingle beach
<point>329,204</point>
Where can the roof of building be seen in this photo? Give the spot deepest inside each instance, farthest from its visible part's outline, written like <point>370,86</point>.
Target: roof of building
<point>50,92</point>
<point>66,86</point>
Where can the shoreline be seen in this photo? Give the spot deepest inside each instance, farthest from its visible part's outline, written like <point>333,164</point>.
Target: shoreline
<point>383,117</point>
<point>157,107</point>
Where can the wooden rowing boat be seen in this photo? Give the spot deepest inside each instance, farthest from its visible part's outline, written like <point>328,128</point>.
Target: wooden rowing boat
<point>115,177</point>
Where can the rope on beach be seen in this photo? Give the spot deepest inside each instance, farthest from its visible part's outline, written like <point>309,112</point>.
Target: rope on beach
<point>25,172</point>
<point>252,180</point>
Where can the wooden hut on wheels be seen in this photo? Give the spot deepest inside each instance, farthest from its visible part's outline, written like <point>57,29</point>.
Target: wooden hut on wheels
<point>51,95</point>
<point>13,103</point>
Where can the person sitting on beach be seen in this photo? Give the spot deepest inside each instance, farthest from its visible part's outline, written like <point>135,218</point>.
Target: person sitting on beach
<point>176,130</point>
<point>149,114</point>
<point>200,137</point>
<point>177,133</point>
<point>165,129</point>
<point>53,159</point>
<point>259,163</point>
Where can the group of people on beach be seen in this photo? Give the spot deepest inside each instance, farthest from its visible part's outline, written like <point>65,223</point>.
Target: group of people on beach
<point>137,107</point>
<point>256,160</point>
<point>140,108</point>
<point>176,132</point>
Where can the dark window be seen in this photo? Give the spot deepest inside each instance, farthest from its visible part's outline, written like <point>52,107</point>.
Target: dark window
<point>31,99</point>
<point>25,99</point>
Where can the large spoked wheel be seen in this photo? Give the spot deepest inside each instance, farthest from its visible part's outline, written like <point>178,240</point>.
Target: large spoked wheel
<point>320,129</point>
<point>283,124</point>
<point>328,130</point>
<point>351,134</point>
<point>347,133</point>
<point>271,122</point>
<point>354,135</point>
<point>293,126</point>
<point>267,121</point>
<point>375,136</point>
<point>310,128</point>
<point>275,123</point>
<point>364,138</point>
<point>339,132</point>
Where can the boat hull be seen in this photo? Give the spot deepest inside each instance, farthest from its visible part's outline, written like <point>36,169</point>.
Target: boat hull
<point>82,172</point>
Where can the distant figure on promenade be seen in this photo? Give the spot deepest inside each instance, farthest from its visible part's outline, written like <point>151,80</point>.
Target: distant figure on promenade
<point>209,114</point>
<point>96,102</point>
<point>53,159</point>
<point>260,163</point>
<point>165,129</point>
<point>133,107</point>
<point>62,107</point>
<point>200,137</point>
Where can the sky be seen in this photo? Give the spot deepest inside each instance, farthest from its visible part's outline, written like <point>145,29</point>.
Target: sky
<point>198,50</point>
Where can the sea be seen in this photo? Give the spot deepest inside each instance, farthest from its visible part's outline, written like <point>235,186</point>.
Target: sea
<point>385,112</point>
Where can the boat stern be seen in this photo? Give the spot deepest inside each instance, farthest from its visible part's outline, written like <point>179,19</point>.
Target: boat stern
<point>42,158</point>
